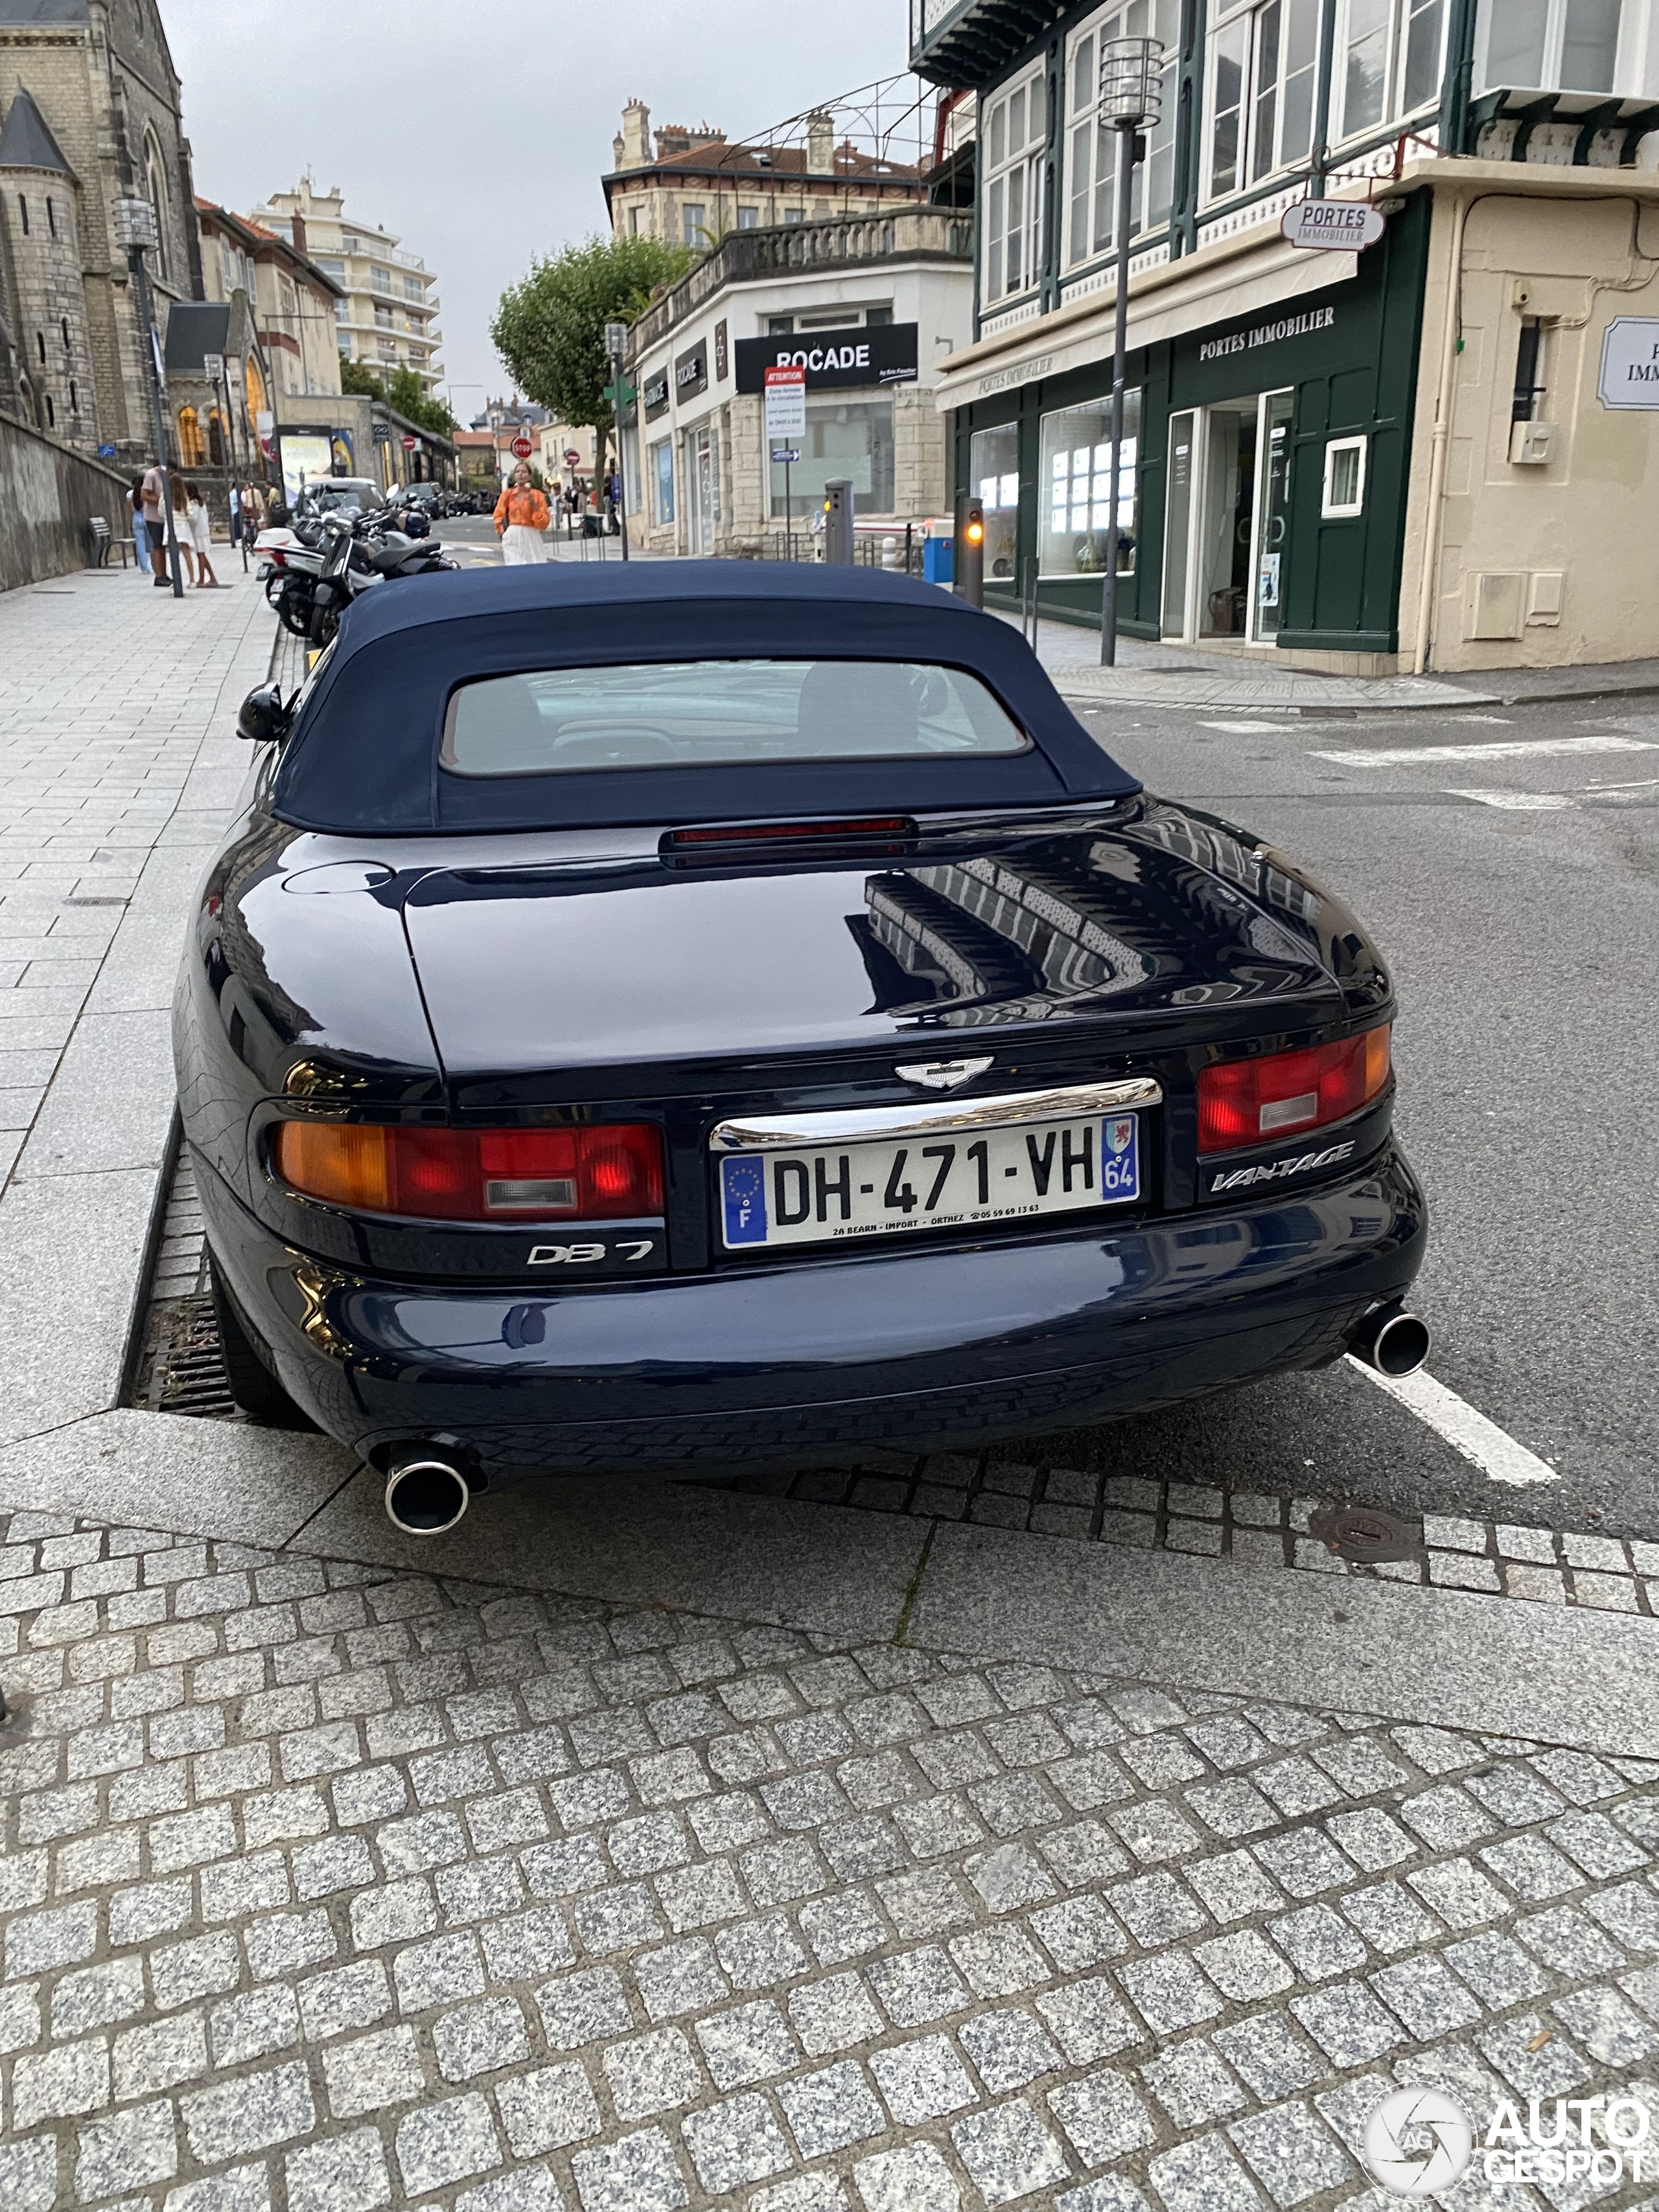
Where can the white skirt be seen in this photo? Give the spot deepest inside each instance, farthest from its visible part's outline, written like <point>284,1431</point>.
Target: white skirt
<point>520,544</point>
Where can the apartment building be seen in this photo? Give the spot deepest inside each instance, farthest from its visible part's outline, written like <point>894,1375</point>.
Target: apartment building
<point>692,185</point>
<point>387,314</point>
<point>1428,450</point>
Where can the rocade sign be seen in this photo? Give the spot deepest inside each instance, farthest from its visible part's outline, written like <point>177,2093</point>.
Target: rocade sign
<point>881,352</point>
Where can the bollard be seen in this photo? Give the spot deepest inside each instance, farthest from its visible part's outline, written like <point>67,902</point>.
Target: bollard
<point>969,572</point>
<point>838,521</point>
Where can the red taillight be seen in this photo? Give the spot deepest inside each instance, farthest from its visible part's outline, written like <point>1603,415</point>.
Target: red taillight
<point>1251,1102</point>
<point>486,1175</point>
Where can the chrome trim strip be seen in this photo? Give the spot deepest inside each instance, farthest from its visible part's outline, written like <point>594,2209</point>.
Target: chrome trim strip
<point>797,1131</point>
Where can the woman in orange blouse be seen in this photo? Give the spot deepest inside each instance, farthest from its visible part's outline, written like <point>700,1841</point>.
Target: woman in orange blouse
<point>520,517</point>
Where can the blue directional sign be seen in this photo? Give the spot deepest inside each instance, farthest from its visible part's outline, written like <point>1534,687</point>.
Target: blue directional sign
<point>106,452</point>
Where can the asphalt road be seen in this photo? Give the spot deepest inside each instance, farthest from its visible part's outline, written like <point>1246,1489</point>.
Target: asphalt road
<point>1523,929</point>
<point>1517,899</point>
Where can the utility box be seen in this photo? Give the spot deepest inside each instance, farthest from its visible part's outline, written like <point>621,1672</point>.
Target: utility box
<point>1493,602</point>
<point>938,563</point>
<point>1531,445</point>
<point>838,522</point>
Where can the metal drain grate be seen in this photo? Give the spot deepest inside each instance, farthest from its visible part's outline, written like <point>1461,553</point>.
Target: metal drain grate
<point>1366,1535</point>
<point>182,1369</point>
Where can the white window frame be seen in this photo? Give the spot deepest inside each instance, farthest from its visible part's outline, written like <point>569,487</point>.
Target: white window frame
<point>1082,148</point>
<point>1249,16</point>
<point>1022,170</point>
<point>1401,15</point>
<point>1331,511</point>
<point>1628,50</point>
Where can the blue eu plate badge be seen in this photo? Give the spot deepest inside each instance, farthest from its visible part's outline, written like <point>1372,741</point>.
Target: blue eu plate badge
<point>1120,1158</point>
<point>743,1193</point>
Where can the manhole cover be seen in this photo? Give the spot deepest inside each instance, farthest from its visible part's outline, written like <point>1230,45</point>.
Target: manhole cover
<point>1366,1535</point>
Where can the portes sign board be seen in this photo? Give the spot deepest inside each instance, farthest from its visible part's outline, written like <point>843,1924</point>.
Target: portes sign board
<point>1332,226</point>
<point>786,405</point>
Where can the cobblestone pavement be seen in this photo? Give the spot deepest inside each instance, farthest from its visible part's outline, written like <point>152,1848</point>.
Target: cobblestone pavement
<point>325,1889</point>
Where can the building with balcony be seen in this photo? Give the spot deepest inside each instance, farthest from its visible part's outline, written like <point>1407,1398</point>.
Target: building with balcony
<point>869,306</point>
<point>693,186</point>
<point>1429,451</point>
<point>386,316</point>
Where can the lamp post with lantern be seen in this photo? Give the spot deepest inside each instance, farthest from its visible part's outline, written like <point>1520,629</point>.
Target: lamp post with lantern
<point>135,230</point>
<point>1131,95</point>
<point>619,392</point>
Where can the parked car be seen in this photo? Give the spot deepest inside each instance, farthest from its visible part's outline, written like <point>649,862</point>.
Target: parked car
<point>328,494</point>
<point>689,1013</point>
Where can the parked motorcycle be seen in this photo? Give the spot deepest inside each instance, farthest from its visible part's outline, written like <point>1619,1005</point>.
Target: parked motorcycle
<point>359,554</point>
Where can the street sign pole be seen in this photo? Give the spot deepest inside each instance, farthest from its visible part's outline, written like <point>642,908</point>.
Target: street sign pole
<point>785,409</point>
<point>135,229</point>
<point>616,345</point>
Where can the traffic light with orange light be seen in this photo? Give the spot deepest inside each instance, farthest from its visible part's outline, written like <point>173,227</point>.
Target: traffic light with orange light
<point>970,549</point>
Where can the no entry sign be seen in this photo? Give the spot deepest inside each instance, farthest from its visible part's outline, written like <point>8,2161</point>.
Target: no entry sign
<point>410,443</point>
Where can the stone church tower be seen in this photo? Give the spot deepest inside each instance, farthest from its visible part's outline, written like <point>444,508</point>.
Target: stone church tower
<point>89,112</point>
<point>51,354</point>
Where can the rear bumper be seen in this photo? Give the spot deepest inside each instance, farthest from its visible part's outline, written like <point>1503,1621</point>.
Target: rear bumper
<point>802,1361</point>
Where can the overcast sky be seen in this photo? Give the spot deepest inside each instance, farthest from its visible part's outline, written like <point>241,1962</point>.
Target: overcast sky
<point>479,131</point>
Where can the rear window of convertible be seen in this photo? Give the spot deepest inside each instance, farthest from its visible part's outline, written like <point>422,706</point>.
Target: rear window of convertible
<point>689,713</point>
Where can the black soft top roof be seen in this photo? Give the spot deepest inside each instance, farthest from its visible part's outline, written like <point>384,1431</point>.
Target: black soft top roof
<point>363,756</point>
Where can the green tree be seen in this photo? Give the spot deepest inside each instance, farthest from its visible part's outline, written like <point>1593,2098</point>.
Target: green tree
<point>549,329</point>
<point>402,391</point>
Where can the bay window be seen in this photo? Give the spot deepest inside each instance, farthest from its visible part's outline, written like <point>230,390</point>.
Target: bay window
<point>1263,66</point>
<point>1551,45</point>
<point>1389,61</point>
<point>1091,148</point>
<point>1012,243</point>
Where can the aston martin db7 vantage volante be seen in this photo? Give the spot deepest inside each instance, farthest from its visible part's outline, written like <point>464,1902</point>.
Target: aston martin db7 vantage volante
<point>675,1014</point>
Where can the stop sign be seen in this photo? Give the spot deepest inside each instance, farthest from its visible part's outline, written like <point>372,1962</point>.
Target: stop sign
<point>410,443</point>
<point>522,449</point>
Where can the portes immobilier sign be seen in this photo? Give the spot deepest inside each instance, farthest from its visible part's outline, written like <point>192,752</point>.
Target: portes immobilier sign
<point>878,353</point>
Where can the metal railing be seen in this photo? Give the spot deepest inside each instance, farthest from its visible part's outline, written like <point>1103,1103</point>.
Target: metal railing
<point>746,256</point>
<point>873,547</point>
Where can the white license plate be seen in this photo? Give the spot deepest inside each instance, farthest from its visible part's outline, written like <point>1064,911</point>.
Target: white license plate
<point>951,1181</point>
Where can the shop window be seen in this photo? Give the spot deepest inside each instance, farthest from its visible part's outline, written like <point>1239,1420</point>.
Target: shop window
<point>1091,150</point>
<point>1549,45</point>
<point>852,438</point>
<point>662,481</point>
<point>994,473</point>
<point>1388,60</point>
<point>1262,73</point>
<point>1344,478</point>
<point>1012,237</point>
<point>1074,519</point>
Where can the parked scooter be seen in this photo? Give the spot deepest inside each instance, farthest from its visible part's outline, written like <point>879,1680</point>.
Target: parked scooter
<point>359,553</point>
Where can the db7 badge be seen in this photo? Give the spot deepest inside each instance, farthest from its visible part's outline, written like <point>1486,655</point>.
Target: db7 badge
<point>626,1251</point>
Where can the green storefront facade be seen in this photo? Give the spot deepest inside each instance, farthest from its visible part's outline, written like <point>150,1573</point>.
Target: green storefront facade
<point>1263,492</point>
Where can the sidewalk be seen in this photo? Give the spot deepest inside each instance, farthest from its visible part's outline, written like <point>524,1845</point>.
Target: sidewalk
<point>1148,674</point>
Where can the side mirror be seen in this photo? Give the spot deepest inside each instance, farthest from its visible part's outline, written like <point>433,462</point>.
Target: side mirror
<point>263,718</point>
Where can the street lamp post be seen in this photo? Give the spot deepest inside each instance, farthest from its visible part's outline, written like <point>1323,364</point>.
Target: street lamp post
<point>135,229</point>
<point>616,346</point>
<point>1130,93</point>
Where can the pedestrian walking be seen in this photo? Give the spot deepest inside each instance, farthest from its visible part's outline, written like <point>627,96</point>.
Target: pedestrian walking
<point>181,535</point>
<point>152,490</point>
<point>522,516</point>
<point>140,535</point>
<point>201,533</point>
<point>235,516</point>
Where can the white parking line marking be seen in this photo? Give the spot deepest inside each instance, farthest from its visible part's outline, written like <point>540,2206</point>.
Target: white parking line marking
<point>1497,749</point>
<point>1248,729</point>
<point>1482,1441</point>
<point>1517,802</point>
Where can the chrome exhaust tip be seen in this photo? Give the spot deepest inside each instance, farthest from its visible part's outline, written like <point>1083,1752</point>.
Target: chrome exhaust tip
<point>426,1497</point>
<point>1393,1341</point>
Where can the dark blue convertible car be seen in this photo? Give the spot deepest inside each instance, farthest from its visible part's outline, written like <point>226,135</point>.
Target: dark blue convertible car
<point>666,1015</point>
